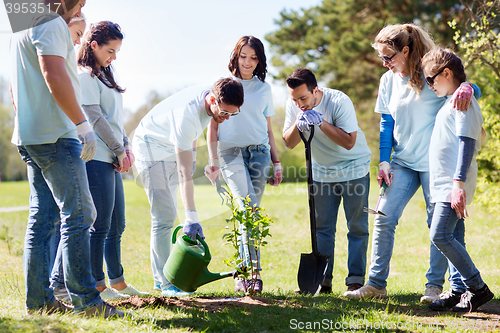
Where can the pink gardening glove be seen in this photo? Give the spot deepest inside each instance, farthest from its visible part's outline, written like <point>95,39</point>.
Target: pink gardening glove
<point>462,97</point>
<point>458,199</point>
<point>130,155</point>
<point>212,170</point>
<point>123,163</point>
<point>384,173</point>
<point>277,175</point>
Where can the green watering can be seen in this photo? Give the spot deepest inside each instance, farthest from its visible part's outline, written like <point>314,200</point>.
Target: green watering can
<point>186,267</point>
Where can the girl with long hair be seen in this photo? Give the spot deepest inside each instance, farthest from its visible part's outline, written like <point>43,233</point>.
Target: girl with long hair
<point>246,144</point>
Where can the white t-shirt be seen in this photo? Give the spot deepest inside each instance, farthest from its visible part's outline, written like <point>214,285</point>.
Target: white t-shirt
<point>39,119</point>
<point>443,151</point>
<point>331,162</point>
<point>250,126</point>
<point>414,115</point>
<point>94,92</point>
<point>174,122</point>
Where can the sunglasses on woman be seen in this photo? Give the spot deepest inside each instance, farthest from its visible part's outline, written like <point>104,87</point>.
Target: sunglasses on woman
<point>388,59</point>
<point>430,79</point>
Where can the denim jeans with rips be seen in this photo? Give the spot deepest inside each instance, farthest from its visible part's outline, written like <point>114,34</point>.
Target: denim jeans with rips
<point>245,171</point>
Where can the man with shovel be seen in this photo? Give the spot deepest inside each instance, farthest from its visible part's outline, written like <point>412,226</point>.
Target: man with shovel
<point>165,151</point>
<point>340,165</point>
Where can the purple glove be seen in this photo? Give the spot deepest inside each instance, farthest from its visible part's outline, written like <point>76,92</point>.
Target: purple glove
<point>308,117</point>
<point>192,226</point>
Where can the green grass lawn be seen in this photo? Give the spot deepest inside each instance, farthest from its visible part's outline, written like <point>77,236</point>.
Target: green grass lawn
<point>287,205</point>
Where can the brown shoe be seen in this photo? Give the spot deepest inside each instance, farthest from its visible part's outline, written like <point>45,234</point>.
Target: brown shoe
<point>104,310</point>
<point>354,286</point>
<point>56,307</point>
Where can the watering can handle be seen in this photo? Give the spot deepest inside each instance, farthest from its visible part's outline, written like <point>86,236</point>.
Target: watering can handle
<point>207,255</point>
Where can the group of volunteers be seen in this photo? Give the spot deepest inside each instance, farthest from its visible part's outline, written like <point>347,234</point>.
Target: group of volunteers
<point>69,131</point>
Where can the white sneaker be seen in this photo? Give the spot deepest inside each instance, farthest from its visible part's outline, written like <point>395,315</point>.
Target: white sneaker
<point>131,291</point>
<point>367,291</point>
<point>174,291</point>
<point>110,294</point>
<point>431,294</point>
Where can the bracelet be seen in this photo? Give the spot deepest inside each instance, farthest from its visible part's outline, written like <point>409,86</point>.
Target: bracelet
<point>276,162</point>
<point>214,158</point>
<point>81,122</point>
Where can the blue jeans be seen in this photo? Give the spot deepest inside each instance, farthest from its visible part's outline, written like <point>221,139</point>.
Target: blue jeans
<point>245,171</point>
<point>327,198</point>
<point>404,185</point>
<point>160,181</point>
<point>442,236</point>
<point>106,187</point>
<point>58,182</point>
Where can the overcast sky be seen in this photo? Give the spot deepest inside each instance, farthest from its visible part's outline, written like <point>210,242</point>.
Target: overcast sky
<point>170,45</point>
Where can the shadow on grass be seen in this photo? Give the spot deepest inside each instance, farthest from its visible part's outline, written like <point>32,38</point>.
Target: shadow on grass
<point>276,313</point>
<point>401,313</point>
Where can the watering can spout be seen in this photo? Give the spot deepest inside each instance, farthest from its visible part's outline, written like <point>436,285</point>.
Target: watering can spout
<point>207,277</point>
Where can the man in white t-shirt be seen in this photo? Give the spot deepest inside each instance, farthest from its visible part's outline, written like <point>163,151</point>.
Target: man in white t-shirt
<point>49,131</point>
<point>165,150</point>
<point>340,162</point>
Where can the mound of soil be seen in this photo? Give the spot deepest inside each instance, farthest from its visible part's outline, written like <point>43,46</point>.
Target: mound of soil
<point>209,304</point>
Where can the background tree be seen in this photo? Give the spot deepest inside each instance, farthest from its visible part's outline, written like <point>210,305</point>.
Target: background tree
<point>11,165</point>
<point>479,46</point>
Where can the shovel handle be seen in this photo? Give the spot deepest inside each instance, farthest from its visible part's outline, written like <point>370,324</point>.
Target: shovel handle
<point>310,187</point>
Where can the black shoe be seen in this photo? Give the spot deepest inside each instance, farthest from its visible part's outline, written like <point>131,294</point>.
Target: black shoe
<point>473,299</point>
<point>325,290</point>
<point>446,301</point>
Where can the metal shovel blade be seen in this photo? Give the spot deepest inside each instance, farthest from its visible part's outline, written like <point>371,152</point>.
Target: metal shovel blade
<point>373,211</point>
<point>312,269</point>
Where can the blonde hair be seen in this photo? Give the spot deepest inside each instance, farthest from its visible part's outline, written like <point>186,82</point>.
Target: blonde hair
<point>77,19</point>
<point>419,42</point>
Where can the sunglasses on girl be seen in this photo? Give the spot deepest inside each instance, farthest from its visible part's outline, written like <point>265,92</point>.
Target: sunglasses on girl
<point>223,113</point>
<point>388,59</point>
<point>430,79</point>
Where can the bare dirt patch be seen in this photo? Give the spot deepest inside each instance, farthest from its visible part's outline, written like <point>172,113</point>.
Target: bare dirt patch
<point>209,304</point>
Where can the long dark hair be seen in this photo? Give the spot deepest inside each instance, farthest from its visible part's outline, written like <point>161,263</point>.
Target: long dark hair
<point>255,43</point>
<point>101,32</point>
